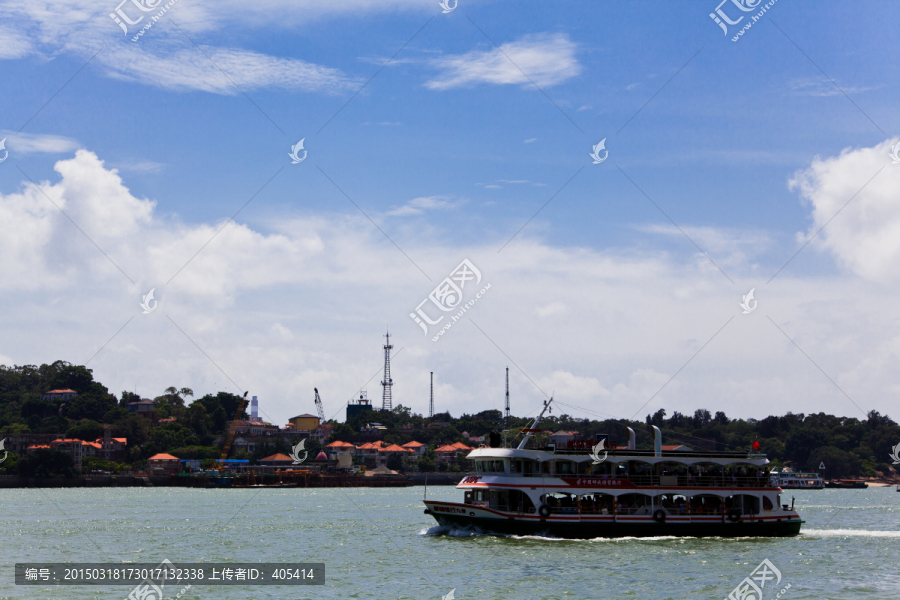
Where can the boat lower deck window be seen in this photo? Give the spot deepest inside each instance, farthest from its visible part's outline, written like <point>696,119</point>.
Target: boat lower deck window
<point>565,467</point>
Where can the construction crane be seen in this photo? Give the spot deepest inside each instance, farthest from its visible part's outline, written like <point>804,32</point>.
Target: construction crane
<point>319,406</point>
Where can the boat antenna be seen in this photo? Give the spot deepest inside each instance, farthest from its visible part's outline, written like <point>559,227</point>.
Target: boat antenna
<point>534,426</point>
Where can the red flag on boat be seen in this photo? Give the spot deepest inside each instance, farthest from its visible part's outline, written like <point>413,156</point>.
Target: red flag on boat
<point>756,444</point>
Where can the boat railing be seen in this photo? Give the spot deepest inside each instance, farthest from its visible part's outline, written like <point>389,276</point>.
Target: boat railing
<point>636,510</point>
<point>580,447</point>
<point>666,480</point>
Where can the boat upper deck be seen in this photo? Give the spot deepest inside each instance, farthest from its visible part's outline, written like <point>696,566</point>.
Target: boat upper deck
<point>622,455</point>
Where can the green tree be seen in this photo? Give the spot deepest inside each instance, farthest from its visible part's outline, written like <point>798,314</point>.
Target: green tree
<point>395,462</point>
<point>135,429</point>
<point>46,463</point>
<point>86,430</point>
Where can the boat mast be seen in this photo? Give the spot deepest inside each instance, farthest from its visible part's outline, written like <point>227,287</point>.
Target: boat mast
<point>534,425</point>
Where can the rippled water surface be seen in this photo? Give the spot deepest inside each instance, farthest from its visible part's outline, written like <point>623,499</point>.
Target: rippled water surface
<point>377,543</point>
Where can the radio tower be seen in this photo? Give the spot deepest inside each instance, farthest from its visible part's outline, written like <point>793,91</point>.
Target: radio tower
<point>507,397</point>
<point>431,409</point>
<point>387,382</point>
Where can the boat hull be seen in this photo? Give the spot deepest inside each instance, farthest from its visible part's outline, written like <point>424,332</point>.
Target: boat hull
<point>587,527</point>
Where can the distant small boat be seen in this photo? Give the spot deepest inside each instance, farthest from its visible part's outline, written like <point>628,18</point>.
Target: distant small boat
<point>788,480</point>
<point>847,484</point>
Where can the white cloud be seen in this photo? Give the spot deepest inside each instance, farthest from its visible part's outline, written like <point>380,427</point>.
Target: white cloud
<point>495,186</point>
<point>738,248</point>
<point>584,107</point>
<point>188,69</point>
<point>140,166</point>
<point>554,308</point>
<point>30,143</point>
<point>864,235</point>
<point>824,87</point>
<point>417,206</point>
<point>563,384</point>
<point>13,43</point>
<point>163,56</point>
<point>530,140</point>
<point>282,332</point>
<point>547,59</point>
<point>304,304</point>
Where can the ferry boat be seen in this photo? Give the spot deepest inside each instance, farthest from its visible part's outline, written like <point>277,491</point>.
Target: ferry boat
<point>575,492</point>
<point>787,480</point>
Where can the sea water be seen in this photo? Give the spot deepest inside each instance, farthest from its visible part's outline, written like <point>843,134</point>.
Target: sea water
<point>377,543</point>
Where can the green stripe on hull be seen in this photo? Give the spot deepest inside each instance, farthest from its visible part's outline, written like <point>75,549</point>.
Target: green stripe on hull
<point>613,530</point>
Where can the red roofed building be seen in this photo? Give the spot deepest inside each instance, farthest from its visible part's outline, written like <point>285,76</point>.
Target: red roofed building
<point>675,448</point>
<point>417,447</point>
<point>339,446</point>
<point>277,460</point>
<point>163,464</point>
<point>338,449</point>
<point>395,448</point>
<point>387,451</point>
<point>70,446</point>
<point>451,451</point>
<point>108,448</point>
<point>368,452</point>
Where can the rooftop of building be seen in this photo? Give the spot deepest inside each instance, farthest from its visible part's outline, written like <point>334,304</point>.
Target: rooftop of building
<point>278,456</point>
<point>163,456</point>
<point>394,448</point>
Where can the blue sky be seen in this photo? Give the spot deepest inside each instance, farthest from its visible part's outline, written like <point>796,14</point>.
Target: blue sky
<point>450,150</point>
